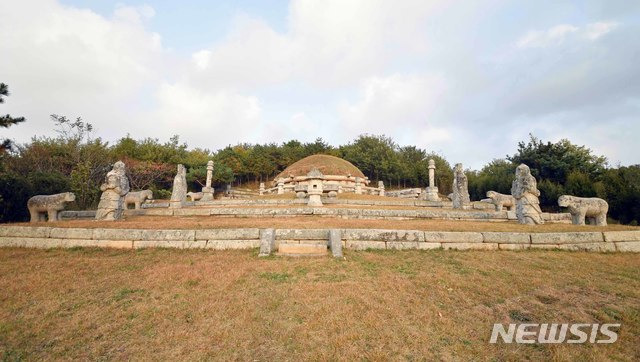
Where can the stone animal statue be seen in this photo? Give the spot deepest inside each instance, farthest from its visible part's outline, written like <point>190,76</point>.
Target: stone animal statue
<point>195,196</point>
<point>501,200</point>
<point>49,204</point>
<point>137,198</point>
<point>581,208</point>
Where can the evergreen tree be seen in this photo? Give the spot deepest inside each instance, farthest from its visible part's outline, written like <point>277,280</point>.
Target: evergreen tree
<point>6,121</point>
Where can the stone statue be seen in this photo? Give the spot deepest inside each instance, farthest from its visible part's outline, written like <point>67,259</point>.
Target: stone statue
<point>525,190</point>
<point>195,196</point>
<point>137,198</point>
<point>114,189</point>
<point>591,208</point>
<point>460,195</point>
<point>501,200</point>
<point>179,192</point>
<point>49,204</point>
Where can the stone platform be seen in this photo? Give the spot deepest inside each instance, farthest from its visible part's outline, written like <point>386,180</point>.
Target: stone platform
<point>291,239</point>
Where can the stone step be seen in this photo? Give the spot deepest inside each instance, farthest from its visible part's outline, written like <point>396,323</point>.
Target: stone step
<point>303,249</point>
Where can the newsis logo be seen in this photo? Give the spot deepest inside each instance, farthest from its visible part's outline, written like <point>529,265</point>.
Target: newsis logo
<point>555,333</point>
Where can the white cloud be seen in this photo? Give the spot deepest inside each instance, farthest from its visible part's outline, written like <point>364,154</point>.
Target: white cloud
<point>556,35</point>
<point>596,30</point>
<point>427,73</point>
<point>552,36</point>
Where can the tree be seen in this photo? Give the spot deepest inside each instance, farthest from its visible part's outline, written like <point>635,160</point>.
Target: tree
<point>7,121</point>
<point>555,161</point>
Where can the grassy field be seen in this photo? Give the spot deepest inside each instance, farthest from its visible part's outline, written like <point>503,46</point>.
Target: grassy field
<point>172,304</point>
<point>318,222</point>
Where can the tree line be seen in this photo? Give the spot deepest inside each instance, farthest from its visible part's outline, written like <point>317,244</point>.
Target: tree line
<point>76,161</point>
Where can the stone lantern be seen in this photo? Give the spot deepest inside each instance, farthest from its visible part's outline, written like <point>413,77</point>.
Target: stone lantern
<point>314,189</point>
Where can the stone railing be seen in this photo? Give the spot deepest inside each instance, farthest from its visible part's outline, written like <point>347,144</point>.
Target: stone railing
<point>355,239</point>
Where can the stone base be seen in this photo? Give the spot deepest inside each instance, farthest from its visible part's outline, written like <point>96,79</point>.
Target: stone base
<point>302,249</point>
<point>431,194</point>
<point>314,200</point>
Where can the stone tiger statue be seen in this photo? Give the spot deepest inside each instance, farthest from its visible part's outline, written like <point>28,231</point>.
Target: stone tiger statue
<point>40,205</point>
<point>501,200</point>
<point>137,198</point>
<point>581,208</point>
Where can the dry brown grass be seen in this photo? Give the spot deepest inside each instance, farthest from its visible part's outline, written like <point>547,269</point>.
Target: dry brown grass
<point>160,304</point>
<point>317,222</point>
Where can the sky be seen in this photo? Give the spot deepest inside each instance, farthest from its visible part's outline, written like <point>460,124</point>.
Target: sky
<point>468,80</point>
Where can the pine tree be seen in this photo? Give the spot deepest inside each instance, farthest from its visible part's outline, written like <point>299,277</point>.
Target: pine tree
<point>6,121</point>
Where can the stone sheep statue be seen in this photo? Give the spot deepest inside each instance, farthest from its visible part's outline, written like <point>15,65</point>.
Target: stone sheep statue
<point>137,198</point>
<point>501,200</point>
<point>591,208</point>
<point>195,196</point>
<point>49,204</point>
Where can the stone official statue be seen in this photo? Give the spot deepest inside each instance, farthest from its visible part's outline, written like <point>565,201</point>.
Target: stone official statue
<point>114,189</point>
<point>525,190</point>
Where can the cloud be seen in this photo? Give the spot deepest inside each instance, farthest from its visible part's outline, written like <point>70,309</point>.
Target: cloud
<point>448,78</point>
<point>556,35</point>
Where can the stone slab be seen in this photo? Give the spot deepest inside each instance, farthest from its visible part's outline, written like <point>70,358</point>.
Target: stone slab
<point>566,238</point>
<point>614,236</point>
<point>628,246</point>
<point>598,247</point>
<point>175,244</point>
<point>520,246</point>
<point>25,231</point>
<point>233,244</point>
<point>403,245</point>
<point>302,249</point>
<point>117,234</point>
<point>506,238</point>
<point>191,212</point>
<point>169,235</point>
<point>453,237</point>
<point>429,246</point>
<point>159,212</point>
<point>335,242</point>
<point>228,234</point>
<point>302,234</point>
<point>470,246</point>
<point>383,235</point>
<point>364,244</point>
<point>71,233</point>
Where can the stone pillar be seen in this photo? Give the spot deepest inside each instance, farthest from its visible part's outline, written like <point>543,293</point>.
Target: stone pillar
<point>381,188</point>
<point>179,192</point>
<point>432,190</point>
<point>207,191</point>
<point>460,189</point>
<point>280,187</point>
<point>262,188</point>
<point>358,189</point>
<point>335,242</point>
<point>267,242</point>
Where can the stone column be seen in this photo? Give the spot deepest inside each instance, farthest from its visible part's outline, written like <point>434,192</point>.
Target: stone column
<point>432,190</point>
<point>358,189</point>
<point>280,187</point>
<point>262,188</point>
<point>207,191</point>
<point>381,188</point>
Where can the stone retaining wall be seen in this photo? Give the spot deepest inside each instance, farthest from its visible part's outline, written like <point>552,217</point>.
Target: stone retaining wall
<point>347,213</point>
<point>356,239</point>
